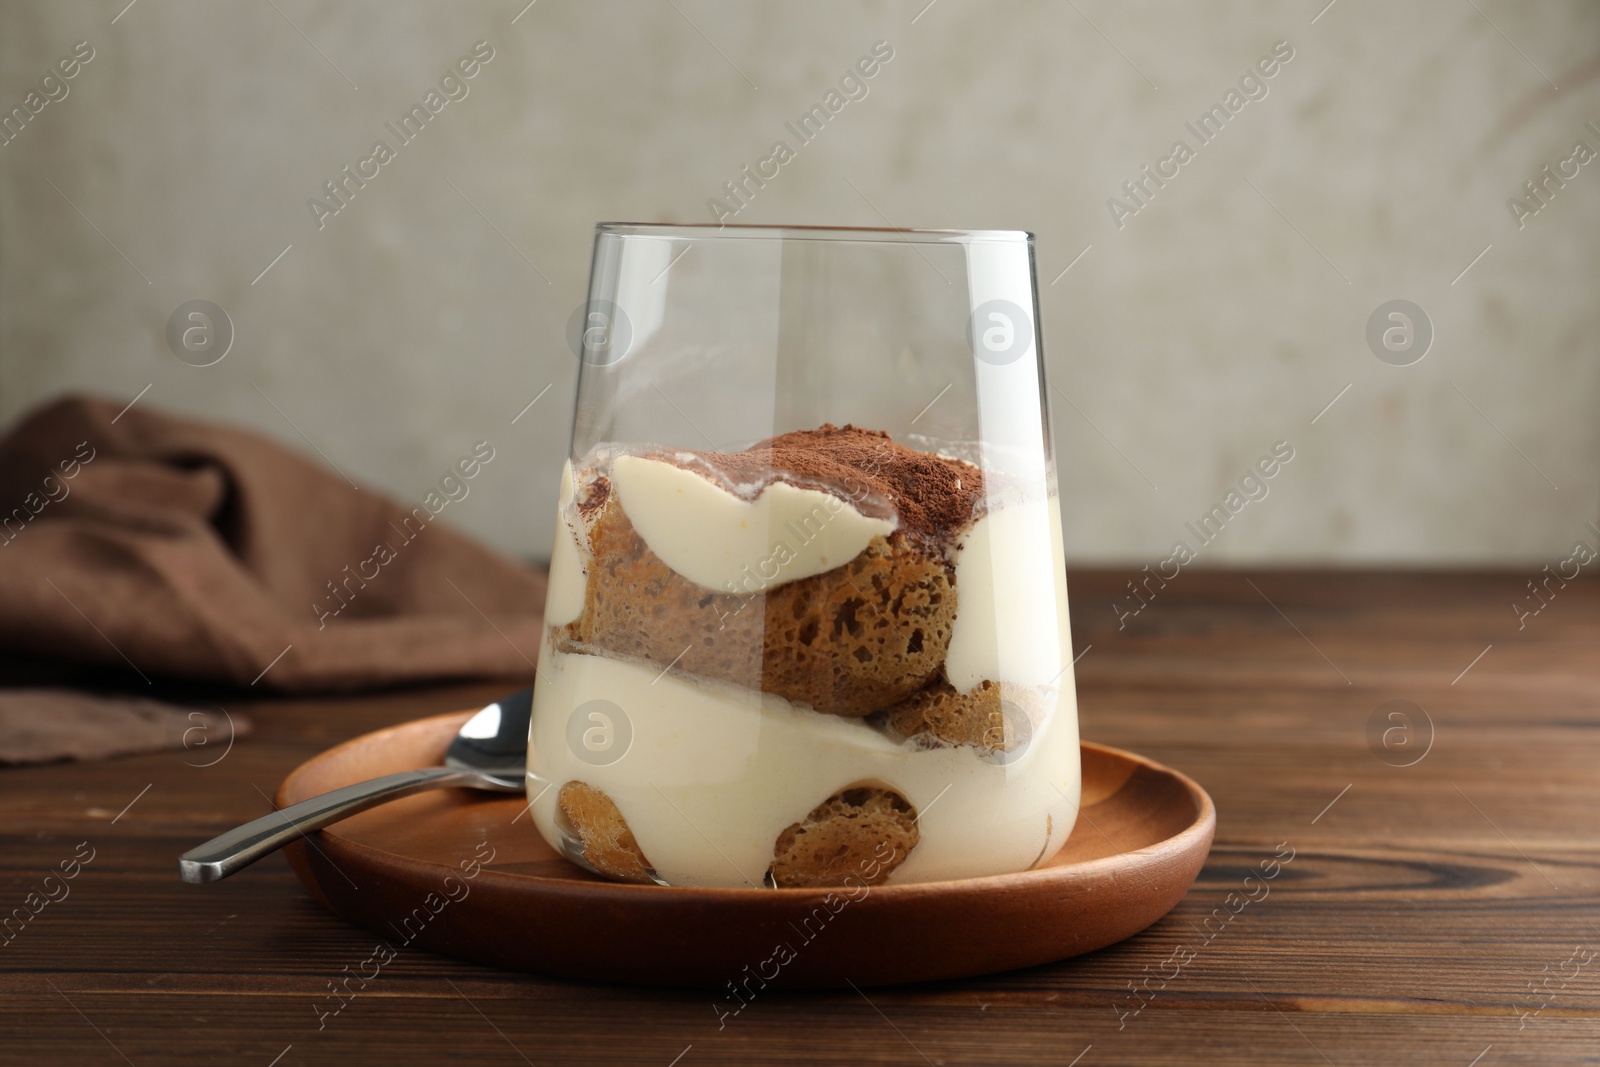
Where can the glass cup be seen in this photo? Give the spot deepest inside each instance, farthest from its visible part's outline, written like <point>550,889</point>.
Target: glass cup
<point>807,616</point>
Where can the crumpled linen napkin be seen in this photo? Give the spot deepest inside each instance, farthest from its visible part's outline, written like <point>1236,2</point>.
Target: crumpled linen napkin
<point>165,546</point>
<point>44,725</point>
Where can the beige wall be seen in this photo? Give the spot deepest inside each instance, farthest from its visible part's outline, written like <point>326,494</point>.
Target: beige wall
<point>1219,319</point>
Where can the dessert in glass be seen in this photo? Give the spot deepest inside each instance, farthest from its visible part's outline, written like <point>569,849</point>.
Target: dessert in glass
<point>807,617</point>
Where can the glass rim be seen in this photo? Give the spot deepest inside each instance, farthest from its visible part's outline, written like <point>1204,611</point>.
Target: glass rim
<point>756,231</point>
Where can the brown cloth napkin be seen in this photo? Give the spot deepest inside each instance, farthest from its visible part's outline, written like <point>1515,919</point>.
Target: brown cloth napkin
<point>191,550</point>
<point>41,725</point>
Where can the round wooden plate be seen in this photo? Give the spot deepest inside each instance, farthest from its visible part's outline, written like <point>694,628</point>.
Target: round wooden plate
<point>465,874</point>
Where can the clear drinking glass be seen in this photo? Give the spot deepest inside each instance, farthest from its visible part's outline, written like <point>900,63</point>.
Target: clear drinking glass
<point>807,619</point>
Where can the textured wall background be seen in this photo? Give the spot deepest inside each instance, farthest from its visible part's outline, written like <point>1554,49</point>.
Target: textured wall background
<point>1222,317</point>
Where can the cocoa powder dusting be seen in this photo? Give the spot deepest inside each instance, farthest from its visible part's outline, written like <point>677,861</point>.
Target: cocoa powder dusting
<point>934,497</point>
<point>594,497</point>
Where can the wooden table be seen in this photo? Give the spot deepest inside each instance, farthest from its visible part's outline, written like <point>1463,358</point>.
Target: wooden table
<point>1446,912</point>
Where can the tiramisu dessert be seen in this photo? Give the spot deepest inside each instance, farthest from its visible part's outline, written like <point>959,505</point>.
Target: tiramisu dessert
<point>828,659</point>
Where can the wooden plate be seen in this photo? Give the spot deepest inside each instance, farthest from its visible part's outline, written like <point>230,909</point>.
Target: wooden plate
<point>465,874</point>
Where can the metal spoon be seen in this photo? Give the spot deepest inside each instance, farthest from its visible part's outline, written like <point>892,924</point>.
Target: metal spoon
<point>490,751</point>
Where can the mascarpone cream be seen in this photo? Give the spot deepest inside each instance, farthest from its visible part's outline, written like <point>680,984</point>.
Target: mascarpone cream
<point>564,599</point>
<point>724,542</point>
<point>715,772</point>
<point>1010,626</point>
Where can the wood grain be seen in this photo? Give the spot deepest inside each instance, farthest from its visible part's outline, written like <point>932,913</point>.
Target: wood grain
<point>1417,911</point>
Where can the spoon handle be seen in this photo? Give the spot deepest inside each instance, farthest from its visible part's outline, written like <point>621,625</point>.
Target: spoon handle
<point>243,845</point>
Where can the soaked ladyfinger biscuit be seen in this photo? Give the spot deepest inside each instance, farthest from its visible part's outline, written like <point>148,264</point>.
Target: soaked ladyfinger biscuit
<point>858,836</point>
<point>608,844</point>
<point>850,641</point>
<point>992,717</point>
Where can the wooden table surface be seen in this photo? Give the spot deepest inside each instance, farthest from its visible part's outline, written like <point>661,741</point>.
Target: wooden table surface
<point>1445,912</point>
